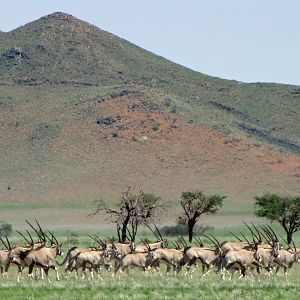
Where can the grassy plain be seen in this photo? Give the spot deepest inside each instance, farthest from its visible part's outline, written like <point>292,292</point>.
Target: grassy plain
<point>138,286</point>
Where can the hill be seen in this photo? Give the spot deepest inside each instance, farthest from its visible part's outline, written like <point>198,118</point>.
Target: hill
<point>85,113</point>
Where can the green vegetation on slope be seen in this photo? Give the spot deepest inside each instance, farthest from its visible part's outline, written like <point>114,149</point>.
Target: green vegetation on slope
<point>60,50</point>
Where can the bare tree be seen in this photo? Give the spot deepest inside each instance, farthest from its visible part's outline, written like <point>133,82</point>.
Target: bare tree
<point>195,204</point>
<point>132,210</point>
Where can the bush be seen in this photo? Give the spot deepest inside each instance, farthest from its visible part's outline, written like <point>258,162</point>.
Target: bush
<point>73,237</point>
<point>167,102</point>
<point>173,110</point>
<point>5,229</point>
<point>155,127</point>
<point>179,229</point>
<point>143,139</point>
<point>174,230</point>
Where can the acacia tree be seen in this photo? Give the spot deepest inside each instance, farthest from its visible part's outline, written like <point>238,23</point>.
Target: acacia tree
<point>132,210</point>
<point>283,209</point>
<point>195,204</point>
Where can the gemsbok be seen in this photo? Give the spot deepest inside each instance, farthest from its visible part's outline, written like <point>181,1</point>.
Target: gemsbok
<point>43,257</point>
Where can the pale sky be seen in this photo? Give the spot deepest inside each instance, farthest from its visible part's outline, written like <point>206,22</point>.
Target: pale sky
<point>245,40</point>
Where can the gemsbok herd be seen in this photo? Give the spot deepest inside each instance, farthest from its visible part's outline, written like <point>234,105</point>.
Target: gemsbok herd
<point>262,255</point>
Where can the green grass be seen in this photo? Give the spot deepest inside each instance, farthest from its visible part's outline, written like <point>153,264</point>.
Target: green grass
<point>137,286</point>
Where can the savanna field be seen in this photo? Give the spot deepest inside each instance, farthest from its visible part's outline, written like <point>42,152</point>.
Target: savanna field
<point>152,285</point>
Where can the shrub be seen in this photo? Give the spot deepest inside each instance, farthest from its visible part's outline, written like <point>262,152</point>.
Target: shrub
<point>173,110</point>
<point>167,102</point>
<point>143,139</point>
<point>174,230</point>
<point>179,229</point>
<point>155,127</point>
<point>73,238</point>
<point>5,229</point>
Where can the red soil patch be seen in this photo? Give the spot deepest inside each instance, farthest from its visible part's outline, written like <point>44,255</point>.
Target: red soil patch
<point>91,159</point>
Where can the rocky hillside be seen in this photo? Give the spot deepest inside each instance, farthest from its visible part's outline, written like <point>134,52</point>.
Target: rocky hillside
<point>85,113</point>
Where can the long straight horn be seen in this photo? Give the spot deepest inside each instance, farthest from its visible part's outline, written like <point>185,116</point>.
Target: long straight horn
<point>96,239</point>
<point>258,232</point>
<point>50,240</point>
<point>93,238</point>
<point>201,243</point>
<point>275,236</point>
<point>198,240</point>
<point>130,236</point>
<point>176,245</point>
<point>211,240</point>
<point>253,234</point>
<point>39,234</point>
<point>147,245</point>
<point>159,234</point>
<point>219,245</point>
<point>183,241</point>
<point>46,236</point>
<point>30,237</point>
<point>245,238</point>
<point>41,230</point>
<point>153,231</point>
<point>23,236</point>
<point>102,244</point>
<point>264,234</point>
<point>5,245</point>
<point>267,228</point>
<point>240,240</point>
<point>267,232</point>
<point>55,241</point>
<point>36,231</point>
<point>8,243</point>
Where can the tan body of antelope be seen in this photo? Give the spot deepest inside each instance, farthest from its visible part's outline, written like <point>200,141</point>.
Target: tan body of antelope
<point>43,258</point>
<point>208,257</point>
<point>4,262</point>
<point>130,260</point>
<point>171,257</point>
<point>69,258</point>
<point>91,260</point>
<point>15,257</point>
<point>286,260</point>
<point>265,257</point>
<point>242,259</point>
